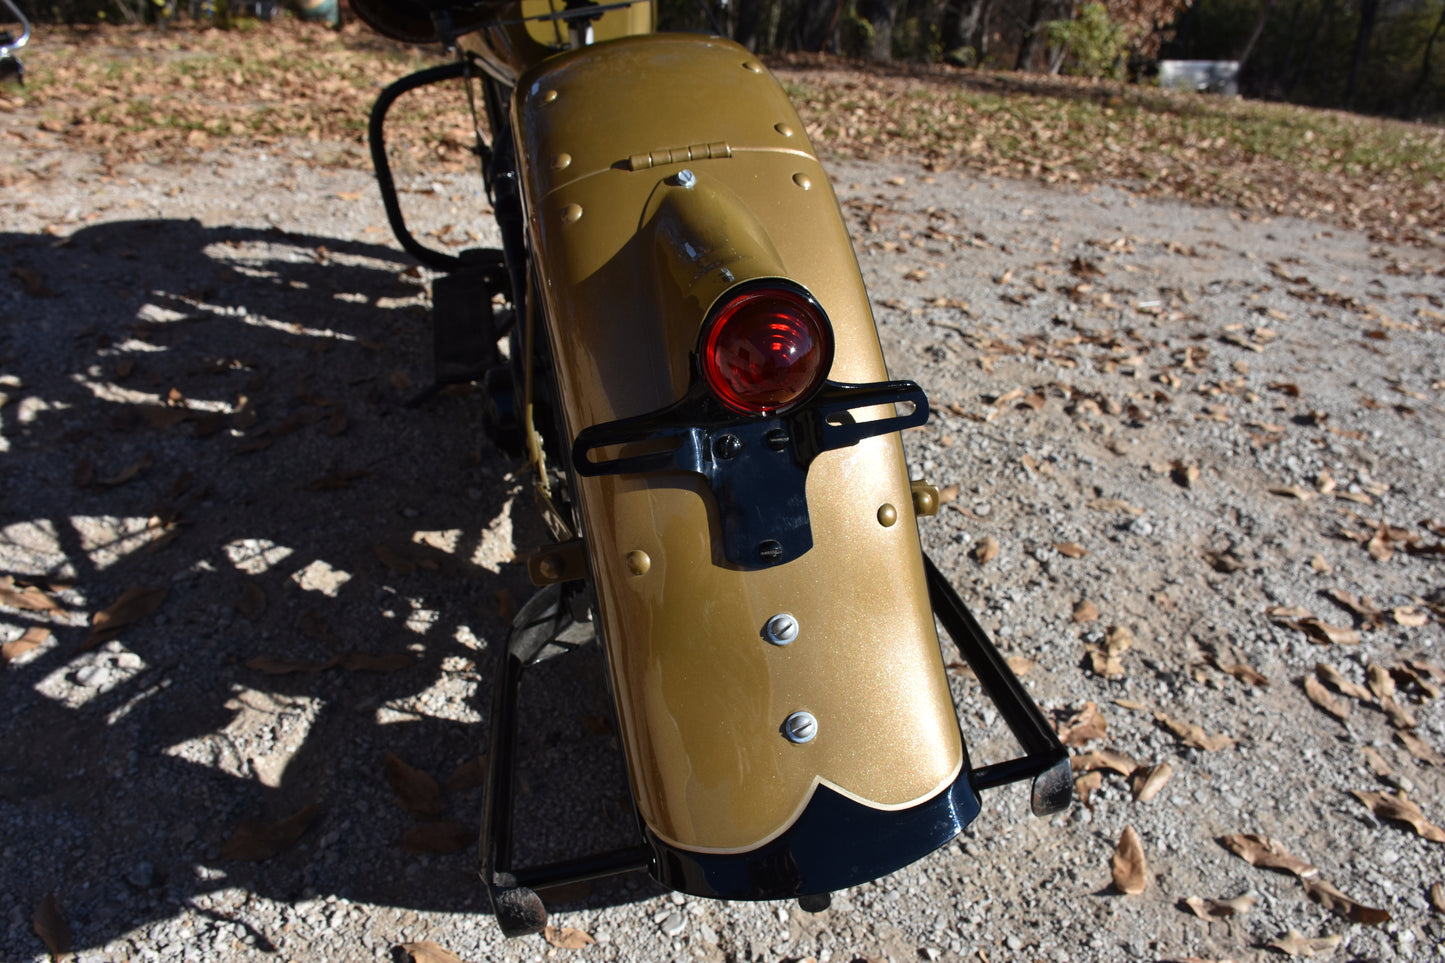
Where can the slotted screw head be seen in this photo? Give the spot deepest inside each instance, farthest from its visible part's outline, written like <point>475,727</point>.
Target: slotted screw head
<point>800,727</point>
<point>781,629</point>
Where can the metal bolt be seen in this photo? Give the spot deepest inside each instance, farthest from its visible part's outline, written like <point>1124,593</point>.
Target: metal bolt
<point>777,439</point>
<point>686,179</point>
<point>781,629</point>
<point>770,550</point>
<point>728,446</point>
<point>800,727</point>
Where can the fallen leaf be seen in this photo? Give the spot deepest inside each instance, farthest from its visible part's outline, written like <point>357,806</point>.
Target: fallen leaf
<point>416,791</point>
<point>1085,785</point>
<point>1084,726</point>
<point>1341,905</point>
<point>366,662</point>
<point>1085,611</point>
<point>31,598</point>
<point>1225,562</point>
<point>1193,735</point>
<point>986,550</point>
<point>1293,491</point>
<point>1317,629</point>
<point>1132,705</point>
<point>1401,809</point>
<point>1361,607</point>
<point>33,638</point>
<point>135,468</point>
<point>1318,563</point>
<point>1329,674</point>
<point>1240,670</point>
<point>469,775</point>
<point>1376,762</point>
<point>1220,909</point>
<point>255,841</point>
<point>1070,549</point>
<point>1115,505</point>
<point>566,937</point>
<point>1183,475</point>
<point>1399,717</point>
<point>1420,749</point>
<point>52,928</point>
<point>439,838</point>
<point>1148,780</point>
<point>1381,683</point>
<point>1437,897</point>
<point>133,605</point>
<point>1103,759</point>
<point>252,604</point>
<point>425,951</point>
<point>1127,864</point>
<point>1409,616</point>
<point>1267,853</point>
<point>1321,697</point>
<point>1296,944</point>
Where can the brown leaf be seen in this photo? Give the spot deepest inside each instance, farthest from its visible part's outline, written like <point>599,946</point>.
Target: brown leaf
<point>1361,607</point>
<point>1343,686</point>
<point>986,550</point>
<point>1148,780</point>
<point>1420,749</point>
<point>1341,905</point>
<point>1085,611</point>
<point>1085,785</point>
<point>1381,683</point>
<point>1296,944</point>
<point>1070,549</point>
<point>469,775</point>
<point>31,598</point>
<point>1103,759</point>
<point>135,604</point>
<point>566,938</point>
<point>1267,853</point>
<point>1193,735</point>
<point>1409,616</point>
<point>1085,725</point>
<point>254,841</point>
<point>417,792</point>
<point>439,838</point>
<point>1400,809</point>
<point>1220,909</point>
<point>1321,697</point>
<point>1240,670</point>
<point>135,468</point>
<point>425,951</point>
<point>1399,717</point>
<point>33,638</point>
<point>1183,475</point>
<point>1437,897</point>
<point>1293,491</point>
<point>252,603</point>
<point>1376,762</point>
<point>1115,505</point>
<point>52,928</point>
<point>366,662</point>
<point>1127,864</point>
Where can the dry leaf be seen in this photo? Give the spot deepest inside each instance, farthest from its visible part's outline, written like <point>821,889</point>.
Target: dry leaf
<point>1293,491</point>
<point>1127,864</point>
<point>469,775</point>
<point>1193,735</point>
<point>1220,909</point>
<point>1437,897</point>
<point>1115,505</point>
<point>135,604</point>
<point>1340,904</point>
<point>1420,749</point>
<point>1148,780</point>
<point>566,937</point>
<point>1267,853</point>
<point>1070,549</point>
<point>1409,616</point>
<point>1240,670</point>
<point>252,604</point>
<point>1381,683</point>
<point>1400,809</point>
<point>52,928</point>
<point>1343,686</point>
<point>278,665</point>
<point>1103,759</point>
<point>1183,475</point>
<point>417,792</point>
<point>1376,762</point>
<point>1359,606</point>
<point>1397,714</point>
<point>1321,697</point>
<point>1085,611</point>
<point>1132,705</point>
<point>1085,725</point>
<point>425,951</point>
<point>254,842</point>
<point>986,550</point>
<point>1085,785</point>
<point>30,598</point>
<point>366,662</point>
<point>1296,944</point>
<point>33,638</point>
<point>439,838</point>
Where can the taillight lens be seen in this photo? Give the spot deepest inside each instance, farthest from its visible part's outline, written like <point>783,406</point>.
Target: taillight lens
<point>766,349</point>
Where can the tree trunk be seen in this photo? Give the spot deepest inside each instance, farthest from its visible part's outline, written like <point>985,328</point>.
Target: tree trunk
<point>1033,27</point>
<point>879,14</point>
<point>816,23</point>
<point>1327,10</point>
<point>749,15</point>
<point>1423,78</point>
<point>1260,20</point>
<point>1368,9</point>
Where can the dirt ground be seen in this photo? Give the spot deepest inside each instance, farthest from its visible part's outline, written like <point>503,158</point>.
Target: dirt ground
<point>1187,457</point>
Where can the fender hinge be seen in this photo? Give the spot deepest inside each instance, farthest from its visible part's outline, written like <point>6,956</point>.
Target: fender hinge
<point>678,155</point>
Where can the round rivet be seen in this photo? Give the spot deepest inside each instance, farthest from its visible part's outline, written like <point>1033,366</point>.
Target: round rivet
<point>728,446</point>
<point>887,515</point>
<point>548,96</point>
<point>781,629</point>
<point>572,213</point>
<point>638,562</point>
<point>561,161</point>
<point>800,727</point>
<point>803,181</point>
<point>783,129</point>
<point>753,65</point>
<point>550,566</point>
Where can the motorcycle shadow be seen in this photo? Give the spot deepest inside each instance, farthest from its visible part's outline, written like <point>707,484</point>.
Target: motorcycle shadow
<point>221,418</point>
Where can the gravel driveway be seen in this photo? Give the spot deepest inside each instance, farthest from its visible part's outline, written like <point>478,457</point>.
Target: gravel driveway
<point>1187,457</point>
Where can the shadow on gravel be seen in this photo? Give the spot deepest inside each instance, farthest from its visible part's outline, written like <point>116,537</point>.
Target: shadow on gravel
<point>221,414</point>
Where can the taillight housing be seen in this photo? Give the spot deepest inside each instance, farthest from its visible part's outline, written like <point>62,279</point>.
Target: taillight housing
<point>766,348</point>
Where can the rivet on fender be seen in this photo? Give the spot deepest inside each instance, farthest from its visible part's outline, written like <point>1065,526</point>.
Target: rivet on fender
<point>887,515</point>
<point>803,181</point>
<point>753,66</point>
<point>572,213</point>
<point>548,96</point>
<point>638,562</point>
<point>783,129</point>
<point>561,161</point>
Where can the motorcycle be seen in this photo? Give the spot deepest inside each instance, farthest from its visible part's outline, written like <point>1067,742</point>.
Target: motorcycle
<point>694,376</point>
<point>11,68</point>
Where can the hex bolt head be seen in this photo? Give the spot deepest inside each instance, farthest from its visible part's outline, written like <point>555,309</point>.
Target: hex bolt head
<point>781,629</point>
<point>800,727</point>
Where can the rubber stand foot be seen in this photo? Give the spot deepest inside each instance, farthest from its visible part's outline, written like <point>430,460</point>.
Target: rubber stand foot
<point>519,911</point>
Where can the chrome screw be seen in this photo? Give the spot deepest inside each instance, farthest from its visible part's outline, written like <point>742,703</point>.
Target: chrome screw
<point>686,178</point>
<point>781,629</point>
<point>800,727</point>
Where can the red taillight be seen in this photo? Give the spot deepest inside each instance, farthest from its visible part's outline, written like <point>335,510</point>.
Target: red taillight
<point>766,349</point>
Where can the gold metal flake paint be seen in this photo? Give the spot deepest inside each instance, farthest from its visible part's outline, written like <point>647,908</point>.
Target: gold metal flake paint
<point>702,696</point>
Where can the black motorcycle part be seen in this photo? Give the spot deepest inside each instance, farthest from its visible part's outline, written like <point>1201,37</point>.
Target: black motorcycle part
<point>757,467</point>
<point>834,843</point>
<point>464,332</point>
